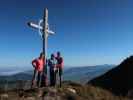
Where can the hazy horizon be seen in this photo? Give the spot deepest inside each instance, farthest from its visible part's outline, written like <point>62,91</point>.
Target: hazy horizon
<point>18,69</point>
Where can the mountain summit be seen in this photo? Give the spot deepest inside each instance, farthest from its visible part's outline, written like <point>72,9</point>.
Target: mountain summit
<point>69,91</point>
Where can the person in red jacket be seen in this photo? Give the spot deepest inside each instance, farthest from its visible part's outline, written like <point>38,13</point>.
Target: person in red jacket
<point>38,64</point>
<point>59,66</point>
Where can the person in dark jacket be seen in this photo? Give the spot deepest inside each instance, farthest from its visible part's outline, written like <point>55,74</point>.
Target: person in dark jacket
<point>59,66</point>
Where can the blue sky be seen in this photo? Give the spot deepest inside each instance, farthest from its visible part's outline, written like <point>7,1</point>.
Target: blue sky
<point>88,32</point>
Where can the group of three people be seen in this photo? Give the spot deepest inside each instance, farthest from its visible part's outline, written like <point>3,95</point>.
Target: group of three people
<point>55,64</point>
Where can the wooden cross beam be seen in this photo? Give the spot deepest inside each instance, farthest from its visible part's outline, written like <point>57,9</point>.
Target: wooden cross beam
<point>44,31</point>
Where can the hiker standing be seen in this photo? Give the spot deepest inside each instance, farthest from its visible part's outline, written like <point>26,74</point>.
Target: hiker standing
<point>52,69</point>
<point>59,66</point>
<point>38,69</point>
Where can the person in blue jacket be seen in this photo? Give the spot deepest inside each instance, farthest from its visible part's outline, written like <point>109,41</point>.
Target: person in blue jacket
<point>52,70</point>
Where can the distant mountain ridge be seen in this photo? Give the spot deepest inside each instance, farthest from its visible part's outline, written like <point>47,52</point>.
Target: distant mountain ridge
<point>84,73</point>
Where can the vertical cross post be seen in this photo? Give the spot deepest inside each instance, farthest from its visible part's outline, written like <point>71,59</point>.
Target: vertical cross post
<point>44,37</point>
<point>45,33</point>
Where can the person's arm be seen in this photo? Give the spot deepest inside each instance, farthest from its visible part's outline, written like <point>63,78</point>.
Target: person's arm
<point>62,62</point>
<point>34,63</point>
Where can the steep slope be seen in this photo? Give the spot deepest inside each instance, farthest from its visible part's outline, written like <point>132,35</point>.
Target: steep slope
<point>119,80</point>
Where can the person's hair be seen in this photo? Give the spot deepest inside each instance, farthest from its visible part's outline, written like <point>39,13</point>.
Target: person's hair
<point>58,53</point>
<point>52,55</point>
<point>41,54</point>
